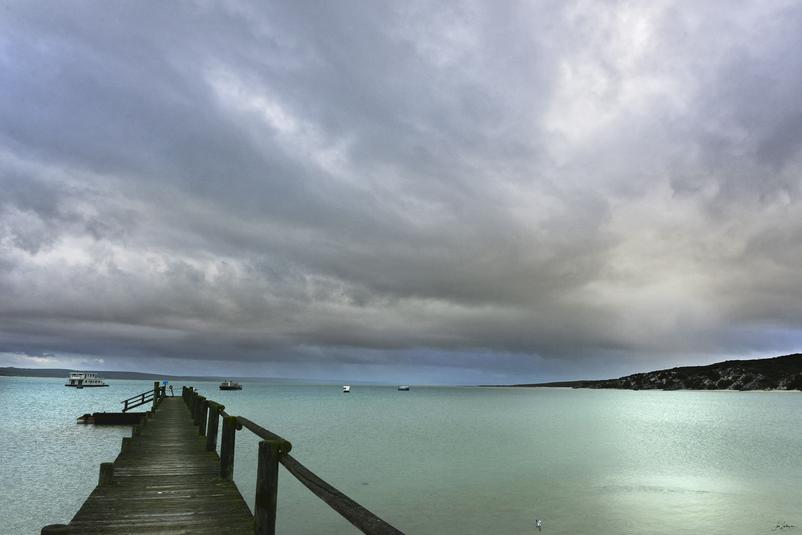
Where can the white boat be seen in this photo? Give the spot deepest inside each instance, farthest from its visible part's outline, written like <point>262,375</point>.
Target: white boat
<point>346,389</point>
<point>84,379</point>
<point>403,388</point>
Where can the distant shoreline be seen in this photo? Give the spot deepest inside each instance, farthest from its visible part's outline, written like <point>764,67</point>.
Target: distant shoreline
<point>11,371</point>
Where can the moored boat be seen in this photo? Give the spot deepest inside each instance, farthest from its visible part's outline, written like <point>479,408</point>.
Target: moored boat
<point>403,388</point>
<point>230,385</point>
<point>346,389</point>
<point>84,379</point>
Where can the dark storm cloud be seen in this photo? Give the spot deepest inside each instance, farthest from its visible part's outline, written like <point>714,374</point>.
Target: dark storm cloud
<point>501,188</point>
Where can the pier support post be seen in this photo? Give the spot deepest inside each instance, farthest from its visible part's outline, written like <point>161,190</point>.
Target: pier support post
<point>203,407</point>
<point>214,424</point>
<point>106,473</point>
<point>126,445</point>
<point>264,516</point>
<point>136,431</point>
<point>227,442</point>
<point>156,392</point>
<point>194,408</point>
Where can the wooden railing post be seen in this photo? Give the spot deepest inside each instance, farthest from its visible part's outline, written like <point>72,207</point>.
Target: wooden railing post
<point>156,392</point>
<point>264,516</point>
<point>194,408</point>
<point>227,442</point>
<point>214,424</point>
<point>204,409</point>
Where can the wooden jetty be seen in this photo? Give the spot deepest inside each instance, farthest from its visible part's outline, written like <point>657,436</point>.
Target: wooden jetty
<point>169,478</point>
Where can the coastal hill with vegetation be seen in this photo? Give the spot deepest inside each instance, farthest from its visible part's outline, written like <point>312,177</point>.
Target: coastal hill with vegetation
<point>778,373</point>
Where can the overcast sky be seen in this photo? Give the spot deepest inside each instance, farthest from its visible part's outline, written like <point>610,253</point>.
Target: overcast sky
<point>400,191</point>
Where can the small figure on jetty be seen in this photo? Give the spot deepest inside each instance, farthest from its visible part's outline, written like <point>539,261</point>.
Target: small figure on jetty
<point>539,524</point>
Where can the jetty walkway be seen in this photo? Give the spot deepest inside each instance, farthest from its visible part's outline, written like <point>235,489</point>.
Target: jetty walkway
<point>168,478</point>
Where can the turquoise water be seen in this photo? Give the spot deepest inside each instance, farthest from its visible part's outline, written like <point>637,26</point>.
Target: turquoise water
<point>454,460</point>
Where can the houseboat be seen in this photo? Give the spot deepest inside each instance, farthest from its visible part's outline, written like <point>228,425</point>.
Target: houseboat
<point>84,379</point>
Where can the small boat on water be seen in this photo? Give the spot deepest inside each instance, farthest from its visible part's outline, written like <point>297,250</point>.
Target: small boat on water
<point>230,385</point>
<point>84,379</point>
<point>403,388</point>
<point>346,389</point>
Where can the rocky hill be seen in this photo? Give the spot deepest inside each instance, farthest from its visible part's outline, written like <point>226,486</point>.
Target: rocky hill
<point>778,373</point>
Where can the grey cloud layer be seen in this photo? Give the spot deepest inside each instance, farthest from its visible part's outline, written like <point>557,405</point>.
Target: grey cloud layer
<point>394,182</point>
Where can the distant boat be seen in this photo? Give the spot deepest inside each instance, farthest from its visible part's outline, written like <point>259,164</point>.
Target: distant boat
<point>230,385</point>
<point>84,379</point>
<point>346,389</point>
<point>403,388</point>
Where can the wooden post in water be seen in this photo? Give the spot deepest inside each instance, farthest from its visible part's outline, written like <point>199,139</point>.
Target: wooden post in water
<point>214,424</point>
<point>264,516</point>
<point>227,442</point>
<point>125,445</point>
<point>204,409</point>
<point>106,473</point>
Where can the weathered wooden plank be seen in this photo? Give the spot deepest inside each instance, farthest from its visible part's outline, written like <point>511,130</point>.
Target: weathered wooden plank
<point>164,481</point>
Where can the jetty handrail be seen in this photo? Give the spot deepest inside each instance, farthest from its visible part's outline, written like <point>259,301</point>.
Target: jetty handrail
<point>145,393</point>
<point>154,395</point>
<point>260,431</point>
<point>273,450</point>
<point>357,515</point>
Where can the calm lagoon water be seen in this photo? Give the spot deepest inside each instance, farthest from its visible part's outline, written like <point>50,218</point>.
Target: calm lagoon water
<point>454,460</point>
